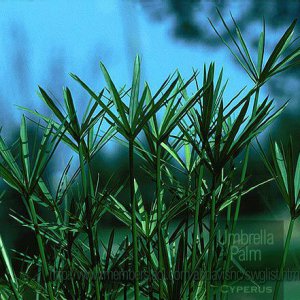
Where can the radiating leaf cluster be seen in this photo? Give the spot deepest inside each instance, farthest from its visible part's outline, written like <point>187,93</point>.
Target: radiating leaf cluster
<point>188,135</point>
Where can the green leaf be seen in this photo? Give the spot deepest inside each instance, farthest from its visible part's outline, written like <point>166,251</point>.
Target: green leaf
<point>245,48</point>
<point>139,113</point>
<point>10,179</point>
<point>67,140</point>
<point>187,152</point>
<point>109,249</point>
<point>261,49</point>
<point>116,98</point>
<point>142,214</point>
<point>181,112</point>
<point>71,111</point>
<point>25,150</point>
<point>178,280</point>
<point>174,154</point>
<point>281,164</point>
<point>10,160</point>
<point>9,271</point>
<point>235,128</point>
<point>134,95</point>
<point>242,61</point>
<point>281,45</point>
<point>154,107</point>
<point>50,103</point>
<point>297,179</point>
<point>104,106</point>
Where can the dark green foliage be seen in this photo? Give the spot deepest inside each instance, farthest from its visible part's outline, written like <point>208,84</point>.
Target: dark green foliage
<point>189,152</point>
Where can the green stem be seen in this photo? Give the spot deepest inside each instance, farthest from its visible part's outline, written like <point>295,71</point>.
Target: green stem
<point>211,236</point>
<point>126,268</point>
<point>41,248</point>
<point>150,283</point>
<point>60,221</point>
<point>243,176</point>
<point>283,261</point>
<point>186,239</point>
<point>9,271</point>
<point>238,202</point>
<point>245,162</point>
<point>159,217</point>
<point>133,223</point>
<point>254,109</point>
<point>196,221</point>
<point>85,184</point>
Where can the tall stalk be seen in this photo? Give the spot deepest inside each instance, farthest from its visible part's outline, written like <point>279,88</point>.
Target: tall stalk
<point>150,280</point>
<point>245,164</point>
<point>211,249</point>
<point>159,217</point>
<point>238,202</point>
<point>85,183</point>
<point>186,232</point>
<point>283,261</point>
<point>41,248</point>
<point>245,161</point>
<point>133,222</point>
<point>9,271</point>
<point>196,224</point>
<point>126,268</point>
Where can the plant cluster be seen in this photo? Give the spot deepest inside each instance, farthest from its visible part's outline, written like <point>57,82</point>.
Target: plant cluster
<point>188,135</point>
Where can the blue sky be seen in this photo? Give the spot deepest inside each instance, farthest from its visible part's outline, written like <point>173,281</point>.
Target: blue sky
<point>43,41</point>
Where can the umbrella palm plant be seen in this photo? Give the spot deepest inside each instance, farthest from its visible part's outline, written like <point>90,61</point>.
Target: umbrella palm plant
<point>280,59</point>
<point>26,179</point>
<point>222,139</point>
<point>130,121</point>
<point>83,138</point>
<point>286,173</point>
<point>9,271</point>
<point>190,153</point>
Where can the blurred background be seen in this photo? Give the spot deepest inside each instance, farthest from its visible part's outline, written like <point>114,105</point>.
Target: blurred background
<point>43,41</point>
